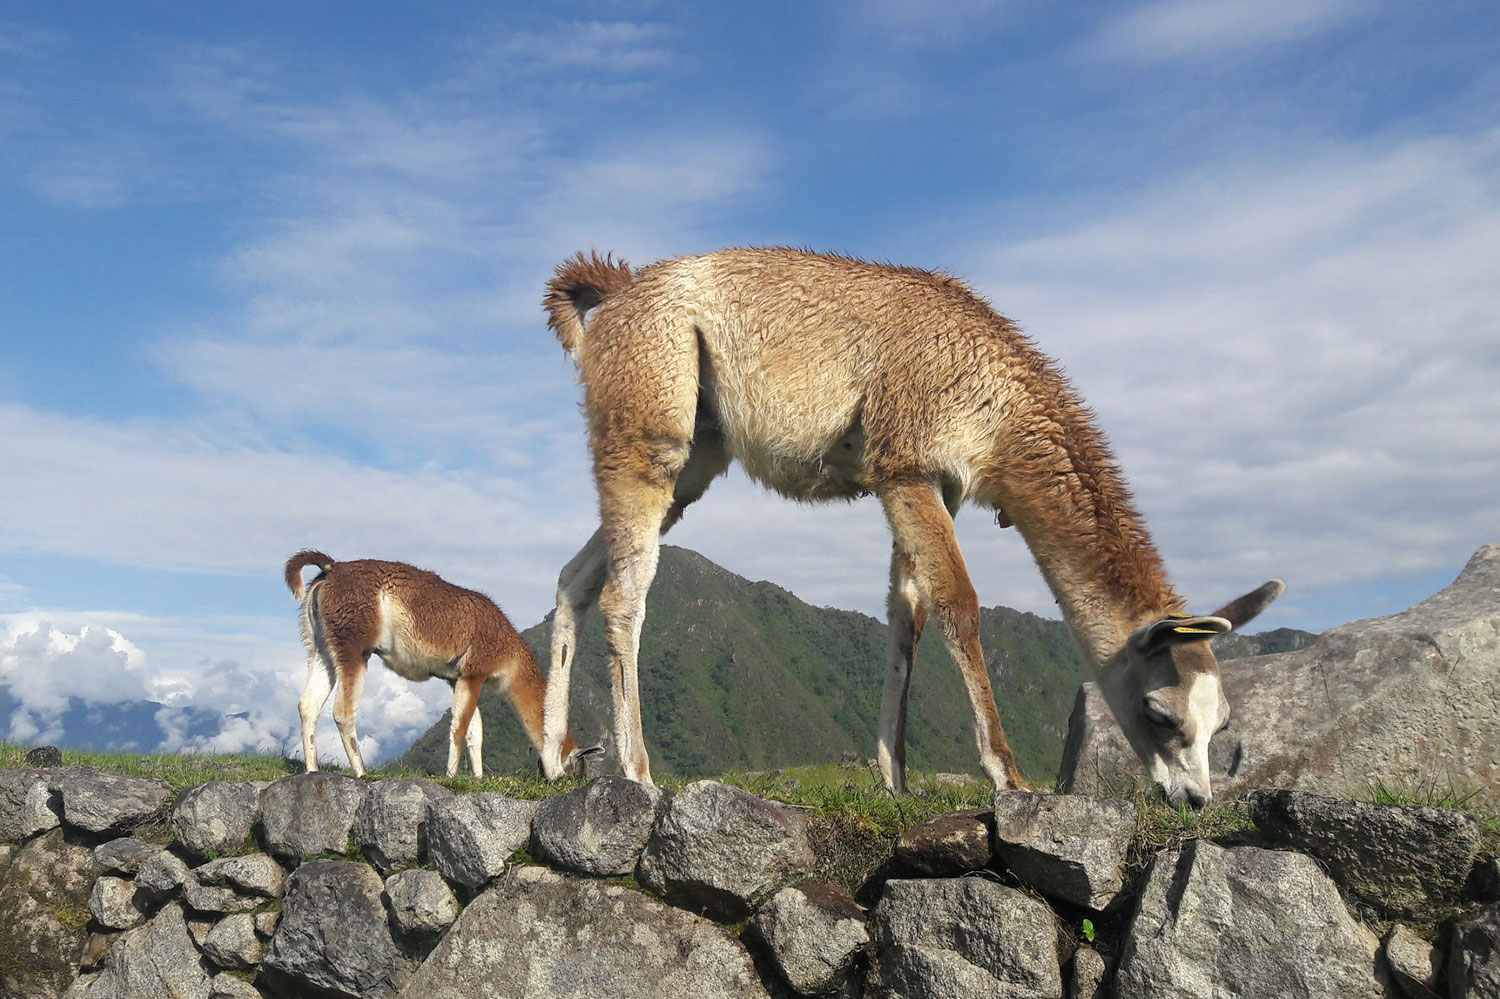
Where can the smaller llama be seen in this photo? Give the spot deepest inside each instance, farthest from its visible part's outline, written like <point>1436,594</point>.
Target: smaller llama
<point>420,626</point>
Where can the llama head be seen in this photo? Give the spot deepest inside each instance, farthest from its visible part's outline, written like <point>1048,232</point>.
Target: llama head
<point>1164,690</point>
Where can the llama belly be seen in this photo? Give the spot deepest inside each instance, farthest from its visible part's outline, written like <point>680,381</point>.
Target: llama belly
<point>833,471</point>
<point>417,663</point>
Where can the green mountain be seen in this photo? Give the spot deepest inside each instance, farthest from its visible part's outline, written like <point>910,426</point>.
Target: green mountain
<point>739,675</point>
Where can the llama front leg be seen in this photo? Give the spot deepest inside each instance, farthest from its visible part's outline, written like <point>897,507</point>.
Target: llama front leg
<point>464,713</point>
<point>924,532</point>
<point>907,617</point>
<point>578,587</point>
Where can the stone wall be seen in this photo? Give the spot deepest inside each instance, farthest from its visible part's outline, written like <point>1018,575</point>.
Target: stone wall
<point>321,885</point>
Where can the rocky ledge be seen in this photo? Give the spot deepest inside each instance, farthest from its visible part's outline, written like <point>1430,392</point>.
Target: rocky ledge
<point>322,885</point>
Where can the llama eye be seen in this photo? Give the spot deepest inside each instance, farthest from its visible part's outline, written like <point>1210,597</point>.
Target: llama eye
<point>1157,717</point>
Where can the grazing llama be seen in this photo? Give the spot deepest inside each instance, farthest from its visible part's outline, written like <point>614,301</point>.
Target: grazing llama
<point>828,378</point>
<point>420,626</point>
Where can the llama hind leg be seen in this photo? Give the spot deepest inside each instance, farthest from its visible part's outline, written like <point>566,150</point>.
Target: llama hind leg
<point>635,495</point>
<point>578,587</point>
<point>320,677</point>
<point>906,616</point>
<point>351,684</point>
<point>924,533</point>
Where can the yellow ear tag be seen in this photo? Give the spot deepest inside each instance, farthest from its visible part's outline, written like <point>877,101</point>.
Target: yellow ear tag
<point>1193,631</point>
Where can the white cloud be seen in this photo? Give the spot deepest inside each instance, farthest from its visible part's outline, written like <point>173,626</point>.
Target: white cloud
<point>585,47</point>
<point>1295,359</point>
<point>1210,29</point>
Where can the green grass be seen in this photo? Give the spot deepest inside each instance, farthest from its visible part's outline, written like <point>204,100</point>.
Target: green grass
<point>1434,793</point>
<point>180,770</point>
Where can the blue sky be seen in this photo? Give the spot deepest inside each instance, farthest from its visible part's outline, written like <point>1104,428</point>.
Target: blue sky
<point>270,278</point>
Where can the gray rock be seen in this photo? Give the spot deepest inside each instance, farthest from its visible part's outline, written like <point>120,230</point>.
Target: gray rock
<point>1474,955</point>
<point>199,926</point>
<point>390,825</point>
<point>951,844</point>
<point>250,874</point>
<point>226,986</point>
<point>1403,860</point>
<point>600,828</point>
<point>125,855</point>
<point>265,923</point>
<point>308,814</point>
<point>1066,846</point>
<point>154,961</point>
<point>217,817</point>
<point>44,894</point>
<point>44,757</point>
<point>963,938</point>
<point>721,851</point>
<point>162,874</point>
<point>334,935</point>
<point>1416,966</point>
<point>1086,975</point>
<point>28,805</point>
<point>1215,922</point>
<point>105,803</point>
<point>113,904</point>
<point>91,958</point>
<point>232,942</point>
<point>542,935</point>
<point>1325,718</point>
<point>814,932</point>
<point>422,904</point>
<point>471,836</point>
<point>216,899</point>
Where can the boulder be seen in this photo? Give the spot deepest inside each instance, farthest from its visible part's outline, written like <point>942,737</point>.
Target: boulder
<point>1401,700</point>
<point>1403,860</point>
<point>265,923</point>
<point>44,757</point>
<point>161,874</point>
<point>951,844</point>
<point>44,894</point>
<point>125,855</point>
<point>109,804</point>
<point>307,814</point>
<point>334,937</point>
<point>28,805</point>
<point>813,932</point>
<point>250,874</point>
<point>471,836</point>
<point>721,851</point>
<point>600,828</point>
<point>542,935</point>
<point>232,943</point>
<point>1474,955</point>
<point>1214,922</point>
<point>113,904</point>
<point>1416,966</point>
<point>390,825</point>
<point>217,817</point>
<point>962,938</point>
<point>1066,846</point>
<point>422,905</point>
<point>154,961</point>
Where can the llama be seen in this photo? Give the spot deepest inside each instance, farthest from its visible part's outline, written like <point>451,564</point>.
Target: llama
<point>829,378</point>
<point>420,626</point>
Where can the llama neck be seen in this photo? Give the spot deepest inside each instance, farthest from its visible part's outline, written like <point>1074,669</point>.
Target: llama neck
<point>1058,484</point>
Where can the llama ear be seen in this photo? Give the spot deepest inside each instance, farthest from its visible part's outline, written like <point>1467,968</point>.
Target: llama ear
<point>1176,630</point>
<point>1242,610</point>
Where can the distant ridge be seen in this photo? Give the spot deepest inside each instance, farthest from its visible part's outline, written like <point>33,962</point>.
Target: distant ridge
<point>741,675</point>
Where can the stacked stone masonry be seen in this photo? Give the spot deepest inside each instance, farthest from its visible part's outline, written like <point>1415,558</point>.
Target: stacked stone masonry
<point>401,888</point>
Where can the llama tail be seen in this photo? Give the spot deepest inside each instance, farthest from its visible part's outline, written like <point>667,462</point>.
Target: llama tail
<point>300,561</point>
<point>582,282</point>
